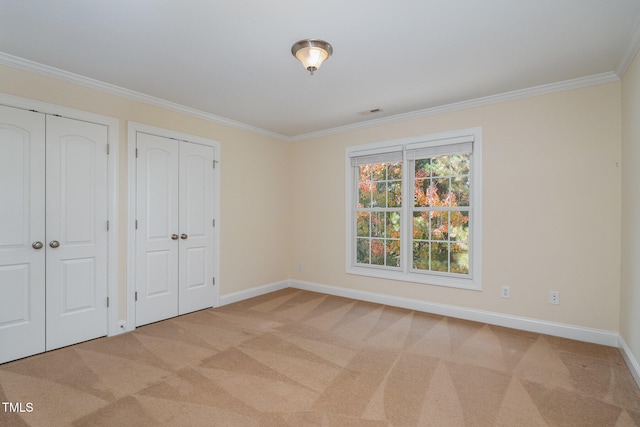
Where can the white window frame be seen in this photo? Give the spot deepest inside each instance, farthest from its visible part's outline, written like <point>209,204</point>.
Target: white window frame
<point>406,272</point>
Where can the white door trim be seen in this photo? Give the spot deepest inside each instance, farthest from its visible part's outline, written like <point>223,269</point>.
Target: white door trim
<point>132,129</point>
<point>113,126</point>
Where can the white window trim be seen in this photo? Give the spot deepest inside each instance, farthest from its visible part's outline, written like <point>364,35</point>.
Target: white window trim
<point>406,273</point>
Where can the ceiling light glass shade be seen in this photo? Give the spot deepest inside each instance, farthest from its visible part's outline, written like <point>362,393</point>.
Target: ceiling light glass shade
<point>312,53</point>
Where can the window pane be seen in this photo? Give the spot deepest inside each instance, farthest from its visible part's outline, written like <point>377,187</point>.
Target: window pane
<point>439,256</point>
<point>379,171</point>
<point>363,250</point>
<point>439,225</point>
<point>460,191</point>
<point>394,194</point>
<point>377,251</point>
<point>379,194</point>
<point>393,225</point>
<point>364,186</point>
<point>364,194</point>
<point>440,195</point>
<point>423,168</point>
<point>459,227</point>
<point>393,253</point>
<point>442,181</point>
<point>421,255</point>
<point>460,164</point>
<point>460,258</point>
<point>377,224</point>
<point>421,192</point>
<point>363,222</point>
<point>449,185</point>
<point>441,166</point>
<point>421,225</point>
<point>378,230</point>
<point>395,170</point>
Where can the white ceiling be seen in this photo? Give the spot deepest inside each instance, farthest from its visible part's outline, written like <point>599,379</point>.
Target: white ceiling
<point>232,59</point>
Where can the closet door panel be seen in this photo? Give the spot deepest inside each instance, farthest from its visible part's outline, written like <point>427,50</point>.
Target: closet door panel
<point>157,233</point>
<point>22,226</point>
<point>77,239</point>
<point>196,224</point>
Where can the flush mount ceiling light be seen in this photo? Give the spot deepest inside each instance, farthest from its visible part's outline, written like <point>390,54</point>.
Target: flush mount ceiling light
<point>312,53</point>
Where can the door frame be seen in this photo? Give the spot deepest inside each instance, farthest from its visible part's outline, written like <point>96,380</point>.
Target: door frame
<point>132,130</point>
<point>114,325</point>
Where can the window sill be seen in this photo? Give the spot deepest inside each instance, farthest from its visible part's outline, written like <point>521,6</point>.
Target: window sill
<point>421,278</point>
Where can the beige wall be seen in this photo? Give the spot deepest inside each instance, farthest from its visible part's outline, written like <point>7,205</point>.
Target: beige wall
<point>255,176</point>
<point>551,197</point>
<point>630,289</point>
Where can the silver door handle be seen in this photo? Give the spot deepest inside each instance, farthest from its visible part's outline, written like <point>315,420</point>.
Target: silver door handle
<point>174,237</point>
<point>54,243</point>
<point>37,245</point>
<point>184,236</point>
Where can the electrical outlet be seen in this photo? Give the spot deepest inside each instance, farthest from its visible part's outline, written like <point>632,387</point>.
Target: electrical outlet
<point>505,292</point>
<point>300,266</point>
<point>554,297</point>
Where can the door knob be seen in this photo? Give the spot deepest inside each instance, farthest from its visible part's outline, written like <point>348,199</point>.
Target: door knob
<point>54,243</point>
<point>183,236</point>
<point>37,245</point>
<point>174,237</point>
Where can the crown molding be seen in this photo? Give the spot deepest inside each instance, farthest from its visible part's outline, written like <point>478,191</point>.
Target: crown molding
<point>630,53</point>
<point>56,73</point>
<point>35,67</point>
<point>463,105</point>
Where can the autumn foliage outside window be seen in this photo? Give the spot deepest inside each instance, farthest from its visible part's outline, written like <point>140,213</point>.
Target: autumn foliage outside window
<point>414,209</point>
<point>441,214</point>
<point>378,214</point>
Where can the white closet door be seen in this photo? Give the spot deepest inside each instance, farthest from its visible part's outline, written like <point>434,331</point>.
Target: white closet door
<point>196,227</point>
<point>157,231</point>
<point>22,222</point>
<point>76,243</point>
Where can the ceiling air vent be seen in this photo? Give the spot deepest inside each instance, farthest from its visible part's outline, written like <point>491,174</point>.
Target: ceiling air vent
<point>372,111</point>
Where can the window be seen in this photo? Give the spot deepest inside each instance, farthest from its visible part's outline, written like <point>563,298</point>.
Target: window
<point>414,209</point>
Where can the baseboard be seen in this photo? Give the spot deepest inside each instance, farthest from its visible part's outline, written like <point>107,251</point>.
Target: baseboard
<point>630,360</point>
<point>253,292</point>
<point>578,333</point>
<point>120,328</point>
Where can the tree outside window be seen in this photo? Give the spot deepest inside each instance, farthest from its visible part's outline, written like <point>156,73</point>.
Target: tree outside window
<point>434,238</point>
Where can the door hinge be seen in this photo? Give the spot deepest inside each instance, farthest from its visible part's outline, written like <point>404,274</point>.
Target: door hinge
<point>136,152</point>
<point>136,295</point>
<point>214,281</point>
<point>136,224</point>
<point>214,222</point>
<point>107,225</point>
<point>107,302</point>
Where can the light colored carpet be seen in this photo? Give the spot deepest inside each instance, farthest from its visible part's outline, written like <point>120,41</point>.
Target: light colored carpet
<point>297,358</point>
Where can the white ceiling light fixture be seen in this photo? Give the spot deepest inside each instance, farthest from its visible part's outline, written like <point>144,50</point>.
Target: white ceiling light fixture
<point>312,53</point>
